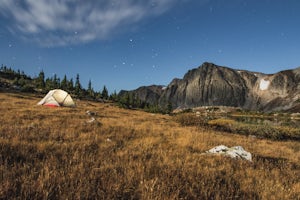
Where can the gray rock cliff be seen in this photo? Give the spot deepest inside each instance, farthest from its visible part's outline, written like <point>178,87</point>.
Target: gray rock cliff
<point>212,85</point>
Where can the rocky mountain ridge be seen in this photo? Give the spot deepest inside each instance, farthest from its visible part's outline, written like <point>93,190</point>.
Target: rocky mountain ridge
<point>213,85</point>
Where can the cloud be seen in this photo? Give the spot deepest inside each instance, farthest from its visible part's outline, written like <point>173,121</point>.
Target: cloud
<point>65,22</point>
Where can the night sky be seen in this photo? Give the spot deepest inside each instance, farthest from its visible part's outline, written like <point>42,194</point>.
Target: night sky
<point>124,44</point>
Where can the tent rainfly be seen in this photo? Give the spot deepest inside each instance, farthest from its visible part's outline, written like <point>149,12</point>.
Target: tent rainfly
<point>56,98</point>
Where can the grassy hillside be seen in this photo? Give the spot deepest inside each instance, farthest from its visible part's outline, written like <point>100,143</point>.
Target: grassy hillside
<point>54,153</point>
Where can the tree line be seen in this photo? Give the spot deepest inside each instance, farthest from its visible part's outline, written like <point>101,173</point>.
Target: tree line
<point>132,101</point>
<point>43,84</point>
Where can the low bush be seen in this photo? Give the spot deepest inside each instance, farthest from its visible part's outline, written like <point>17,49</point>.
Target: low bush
<point>190,119</point>
<point>263,131</point>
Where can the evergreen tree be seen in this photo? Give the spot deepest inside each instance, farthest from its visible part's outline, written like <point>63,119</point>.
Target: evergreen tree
<point>124,100</point>
<point>21,82</point>
<point>49,84</point>
<point>90,85</point>
<point>131,100</point>
<point>127,99</point>
<point>64,83</point>
<point>77,86</point>
<point>40,80</point>
<point>70,85</point>
<point>98,95</point>
<point>104,93</point>
<point>138,102</point>
<point>56,81</point>
<point>90,90</point>
<point>114,96</point>
<point>169,107</point>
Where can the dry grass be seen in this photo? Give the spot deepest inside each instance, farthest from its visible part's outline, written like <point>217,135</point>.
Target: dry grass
<point>219,123</point>
<point>48,153</point>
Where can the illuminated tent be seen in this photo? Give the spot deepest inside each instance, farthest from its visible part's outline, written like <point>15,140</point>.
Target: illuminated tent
<point>56,98</point>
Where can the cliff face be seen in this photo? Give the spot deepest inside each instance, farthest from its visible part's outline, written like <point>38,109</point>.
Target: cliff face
<point>148,94</point>
<point>207,85</point>
<point>212,85</point>
<point>280,91</point>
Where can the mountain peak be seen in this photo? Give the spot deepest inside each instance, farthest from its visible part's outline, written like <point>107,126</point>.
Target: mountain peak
<point>213,85</point>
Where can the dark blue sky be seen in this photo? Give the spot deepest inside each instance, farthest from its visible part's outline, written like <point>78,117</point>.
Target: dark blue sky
<point>124,44</point>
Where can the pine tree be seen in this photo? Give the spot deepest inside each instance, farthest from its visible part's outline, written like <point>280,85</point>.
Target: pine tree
<point>64,83</point>
<point>104,93</point>
<point>49,85</point>
<point>77,86</point>
<point>127,100</point>
<point>90,85</point>
<point>40,80</point>
<point>114,96</point>
<point>70,85</point>
<point>98,96</point>
<point>56,81</point>
<point>138,102</point>
<point>90,90</point>
<point>169,107</point>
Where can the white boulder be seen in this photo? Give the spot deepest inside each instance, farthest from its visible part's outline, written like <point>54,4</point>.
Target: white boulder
<point>233,152</point>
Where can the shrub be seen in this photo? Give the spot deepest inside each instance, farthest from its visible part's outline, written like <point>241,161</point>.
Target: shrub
<point>190,119</point>
<point>264,131</point>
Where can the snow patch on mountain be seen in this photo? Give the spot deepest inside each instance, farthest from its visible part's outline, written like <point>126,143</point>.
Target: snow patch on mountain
<point>264,84</point>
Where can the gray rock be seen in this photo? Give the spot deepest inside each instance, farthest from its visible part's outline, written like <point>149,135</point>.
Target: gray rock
<point>233,152</point>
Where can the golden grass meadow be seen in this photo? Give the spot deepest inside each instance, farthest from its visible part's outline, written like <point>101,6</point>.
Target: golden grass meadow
<point>54,153</point>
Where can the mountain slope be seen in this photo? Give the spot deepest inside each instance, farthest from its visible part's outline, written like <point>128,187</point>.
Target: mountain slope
<point>212,85</point>
<point>207,85</point>
<point>148,94</point>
